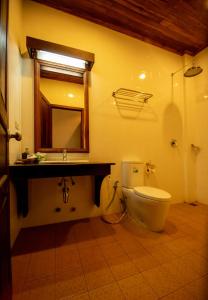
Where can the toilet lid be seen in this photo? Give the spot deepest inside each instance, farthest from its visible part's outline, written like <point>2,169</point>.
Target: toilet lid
<point>152,193</point>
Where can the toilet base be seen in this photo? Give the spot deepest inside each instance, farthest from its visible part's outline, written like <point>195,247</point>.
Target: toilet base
<point>152,214</point>
<point>142,224</point>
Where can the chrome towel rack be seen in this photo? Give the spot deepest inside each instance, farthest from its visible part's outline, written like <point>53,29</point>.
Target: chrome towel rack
<point>130,98</point>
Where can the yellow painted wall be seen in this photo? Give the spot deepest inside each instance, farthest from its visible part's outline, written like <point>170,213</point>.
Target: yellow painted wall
<point>200,125</point>
<point>59,92</point>
<point>115,135</point>
<point>14,98</point>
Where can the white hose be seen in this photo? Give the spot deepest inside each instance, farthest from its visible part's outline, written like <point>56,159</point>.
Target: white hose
<point>105,218</point>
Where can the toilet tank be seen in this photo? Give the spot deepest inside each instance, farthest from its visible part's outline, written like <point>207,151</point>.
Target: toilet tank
<point>132,173</point>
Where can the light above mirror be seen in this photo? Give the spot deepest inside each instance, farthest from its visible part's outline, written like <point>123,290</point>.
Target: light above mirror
<point>61,59</point>
<point>59,54</point>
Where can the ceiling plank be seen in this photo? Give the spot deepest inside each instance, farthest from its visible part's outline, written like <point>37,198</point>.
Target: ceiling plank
<point>178,25</point>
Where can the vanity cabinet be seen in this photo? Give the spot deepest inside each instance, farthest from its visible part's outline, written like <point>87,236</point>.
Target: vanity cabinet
<point>20,175</point>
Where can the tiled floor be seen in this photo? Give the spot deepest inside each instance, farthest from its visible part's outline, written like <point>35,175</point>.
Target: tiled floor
<point>90,259</point>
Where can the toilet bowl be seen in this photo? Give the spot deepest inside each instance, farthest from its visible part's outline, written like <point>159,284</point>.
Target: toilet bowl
<point>145,204</point>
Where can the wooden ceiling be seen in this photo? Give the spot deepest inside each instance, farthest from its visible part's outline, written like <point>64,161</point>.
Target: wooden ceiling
<point>180,26</point>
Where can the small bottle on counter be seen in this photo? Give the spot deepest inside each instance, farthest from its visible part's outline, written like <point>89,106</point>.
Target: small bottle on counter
<point>25,153</point>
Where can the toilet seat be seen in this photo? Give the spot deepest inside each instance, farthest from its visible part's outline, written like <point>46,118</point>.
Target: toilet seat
<point>152,193</point>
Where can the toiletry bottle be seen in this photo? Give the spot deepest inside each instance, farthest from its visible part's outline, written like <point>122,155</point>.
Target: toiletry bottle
<point>25,153</point>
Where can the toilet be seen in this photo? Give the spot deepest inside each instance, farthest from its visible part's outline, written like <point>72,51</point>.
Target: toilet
<point>145,204</point>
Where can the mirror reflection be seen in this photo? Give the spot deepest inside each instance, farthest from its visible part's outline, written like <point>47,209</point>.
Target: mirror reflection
<point>62,109</point>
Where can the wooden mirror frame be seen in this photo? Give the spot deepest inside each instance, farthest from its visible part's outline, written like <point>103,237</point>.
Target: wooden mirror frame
<point>37,120</point>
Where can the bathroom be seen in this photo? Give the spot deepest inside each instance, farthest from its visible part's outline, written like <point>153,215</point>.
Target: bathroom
<point>176,111</point>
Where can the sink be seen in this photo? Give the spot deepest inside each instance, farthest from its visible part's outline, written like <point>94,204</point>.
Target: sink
<point>73,161</point>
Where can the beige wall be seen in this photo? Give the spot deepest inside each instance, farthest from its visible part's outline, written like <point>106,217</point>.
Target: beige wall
<point>200,125</point>
<point>115,135</point>
<point>59,92</point>
<point>14,97</point>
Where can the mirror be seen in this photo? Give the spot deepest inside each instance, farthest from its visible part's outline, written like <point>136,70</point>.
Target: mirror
<point>61,108</point>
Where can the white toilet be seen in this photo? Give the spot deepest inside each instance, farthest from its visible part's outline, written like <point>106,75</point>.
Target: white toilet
<point>145,204</point>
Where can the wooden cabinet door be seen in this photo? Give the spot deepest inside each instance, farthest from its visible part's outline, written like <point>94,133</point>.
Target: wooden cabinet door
<point>5,257</point>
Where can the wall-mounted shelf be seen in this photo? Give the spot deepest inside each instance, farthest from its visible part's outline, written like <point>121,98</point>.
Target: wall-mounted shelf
<point>130,99</point>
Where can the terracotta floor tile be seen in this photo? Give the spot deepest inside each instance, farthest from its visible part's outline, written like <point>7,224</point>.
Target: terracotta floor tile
<point>70,283</point>
<point>91,255</point>
<point>86,259</point>
<point>101,231</point>
<point>21,296</point>
<point>107,292</point>
<point>64,235</point>
<point>84,296</point>
<point>161,281</point>
<point>161,253</point>
<point>65,258</point>
<point>111,250</point>
<point>146,262</point>
<point>122,238</point>
<point>135,288</point>
<point>84,237</point>
<point>69,274</point>
<point>20,264</point>
<point>197,263</point>
<point>179,247</point>
<point>99,278</point>
<point>203,252</point>
<point>198,288</point>
<point>139,253</point>
<point>83,226</point>
<point>181,270</point>
<point>85,243</point>
<point>17,284</point>
<point>175,233</point>
<point>122,267</point>
<point>129,246</point>
<point>96,266</point>
<point>105,239</point>
<point>41,264</point>
<point>181,294</point>
<point>35,239</point>
<point>43,289</point>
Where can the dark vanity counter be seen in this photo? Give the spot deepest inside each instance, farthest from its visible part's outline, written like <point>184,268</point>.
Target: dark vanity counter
<point>21,173</point>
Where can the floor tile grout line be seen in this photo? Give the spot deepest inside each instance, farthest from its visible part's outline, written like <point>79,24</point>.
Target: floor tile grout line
<point>26,272</point>
<point>115,281</point>
<point>82,267</point>
<point>178,257</point>
<point>177,289</point>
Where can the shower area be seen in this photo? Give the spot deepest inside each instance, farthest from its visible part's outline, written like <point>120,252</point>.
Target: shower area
<point>194,76</point>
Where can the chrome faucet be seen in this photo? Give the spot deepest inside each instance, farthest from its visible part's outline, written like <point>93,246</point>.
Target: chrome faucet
<point>64,154</point>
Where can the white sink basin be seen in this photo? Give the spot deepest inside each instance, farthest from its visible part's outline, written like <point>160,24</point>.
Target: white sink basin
<point>73,161</point>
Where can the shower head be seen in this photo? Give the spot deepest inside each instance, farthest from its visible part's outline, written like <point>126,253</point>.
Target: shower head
<point>190,72</point>
<point>193,71</point>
